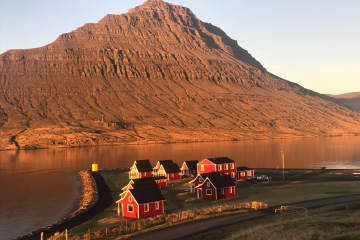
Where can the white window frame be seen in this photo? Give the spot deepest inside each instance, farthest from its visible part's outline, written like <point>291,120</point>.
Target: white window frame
<point>232,165</point>
<point>146,207</point>
<point>226,167</point>
<point>207,190</point>
<point>157,205</point>
<point>132,206</point>
<point>219,168</point>
<point>208,184</point>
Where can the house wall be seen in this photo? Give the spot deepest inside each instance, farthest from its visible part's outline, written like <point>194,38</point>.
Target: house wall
<point>173,176</point>
<point>124,207</point>
<point>161,183</point>
<point>242,175</point>
<point>208,167</point>
<point>227,192</point>
<point>152,209</point>
<point>205,187</point>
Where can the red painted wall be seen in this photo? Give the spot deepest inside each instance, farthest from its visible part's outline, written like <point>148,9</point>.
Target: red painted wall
<point>173,176</point>
<point>211,167</point>
<point>152,210</point>
<point>239,177</point>
<point>208,166</point>
<point>161,183</point>
<point>227,193</point>
<point>125,211</point>
<point>204,187</point>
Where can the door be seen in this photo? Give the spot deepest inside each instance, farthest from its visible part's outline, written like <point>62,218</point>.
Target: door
<point>199,193</point>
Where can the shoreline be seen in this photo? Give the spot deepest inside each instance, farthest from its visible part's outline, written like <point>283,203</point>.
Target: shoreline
<point>185,141</point>
<point>83,209</point>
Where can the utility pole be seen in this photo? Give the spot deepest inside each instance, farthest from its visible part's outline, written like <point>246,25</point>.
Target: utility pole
<point>283,164</point>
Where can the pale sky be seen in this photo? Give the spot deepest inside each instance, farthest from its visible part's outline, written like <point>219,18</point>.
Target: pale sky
<point>315,43</point>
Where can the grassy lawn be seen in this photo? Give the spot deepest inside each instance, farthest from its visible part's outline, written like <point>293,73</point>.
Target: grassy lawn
<point>341,222</point>
<point>300,185</point>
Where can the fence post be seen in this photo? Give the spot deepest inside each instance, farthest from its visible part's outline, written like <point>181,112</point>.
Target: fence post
<point>66,234</point>
<point>42,236</point>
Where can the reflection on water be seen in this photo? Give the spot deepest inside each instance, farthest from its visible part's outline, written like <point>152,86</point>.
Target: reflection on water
<point>37,187</point>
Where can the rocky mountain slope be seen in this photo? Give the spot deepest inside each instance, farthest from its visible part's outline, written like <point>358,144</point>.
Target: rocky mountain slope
<point>154,74</point>
<point>350,100</point>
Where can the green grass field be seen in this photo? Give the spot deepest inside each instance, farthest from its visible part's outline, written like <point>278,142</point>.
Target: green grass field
<point>313,185</point>
<point>340,222</point>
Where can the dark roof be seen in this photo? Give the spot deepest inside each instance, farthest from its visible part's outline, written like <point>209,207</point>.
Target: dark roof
<point>147,195</point>
<point>143,181</point>
<point>165,161</point>
<point>221,160</point>
<point>171,167</point>
<point>220,180</point>
<point>242,168</point>
<point>143,166</point>
<point>192,165</point>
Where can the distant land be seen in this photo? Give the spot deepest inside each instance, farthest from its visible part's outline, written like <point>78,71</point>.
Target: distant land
<point>351,100</point>
<point>156,74</point>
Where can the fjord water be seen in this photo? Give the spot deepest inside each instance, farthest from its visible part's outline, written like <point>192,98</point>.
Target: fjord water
<point>39,187</point>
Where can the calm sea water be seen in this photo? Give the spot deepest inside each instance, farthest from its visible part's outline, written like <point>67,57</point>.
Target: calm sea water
<point>39,187</point>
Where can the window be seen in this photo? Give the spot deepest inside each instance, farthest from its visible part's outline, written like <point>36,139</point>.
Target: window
<point>232,165</point>
<point>130,208</point>
<point>208,191</point>
<point>202,167</point>
<point>226,167</point>
<point>146,207</point>
<point>200,180</point>
<point>219,167</point>
<point>242,174</point>
<point>208,184</point>
<point>157,205</point>
<point>249,173</point>
<point>233,175</point>
<point>130,199</point>
<point>231,189</point>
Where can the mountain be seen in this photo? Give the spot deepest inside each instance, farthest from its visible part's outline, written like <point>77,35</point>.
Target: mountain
<point>154,74</point>
<point>350,100</point>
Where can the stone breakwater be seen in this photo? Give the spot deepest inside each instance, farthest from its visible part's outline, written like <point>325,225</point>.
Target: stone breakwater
<point>89,193</point>
<point>87,202</point>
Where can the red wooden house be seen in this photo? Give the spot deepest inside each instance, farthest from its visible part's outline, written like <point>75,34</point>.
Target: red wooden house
<point>141,169</point>
<point>199,179</point>
<point>242,173</point>
<point>216,186</point>
<point>141,202</point>
<point>168,169</point>
<point>189,168</point>
<point>221,164</point>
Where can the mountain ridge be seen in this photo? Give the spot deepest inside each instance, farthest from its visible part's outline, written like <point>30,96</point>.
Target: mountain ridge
<point>154,74</point>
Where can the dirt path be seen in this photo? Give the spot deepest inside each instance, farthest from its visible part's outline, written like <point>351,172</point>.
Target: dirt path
<point>188,229</point>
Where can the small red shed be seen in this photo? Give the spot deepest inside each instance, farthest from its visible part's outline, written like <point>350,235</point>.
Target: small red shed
<point>216,186</point>
<point>223,165</point>
<point>242,173</point>
<point>141,203</point>
<point>141,169</point>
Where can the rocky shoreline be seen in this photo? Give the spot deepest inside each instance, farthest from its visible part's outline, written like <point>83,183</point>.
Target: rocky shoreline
<point>88,200</point>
